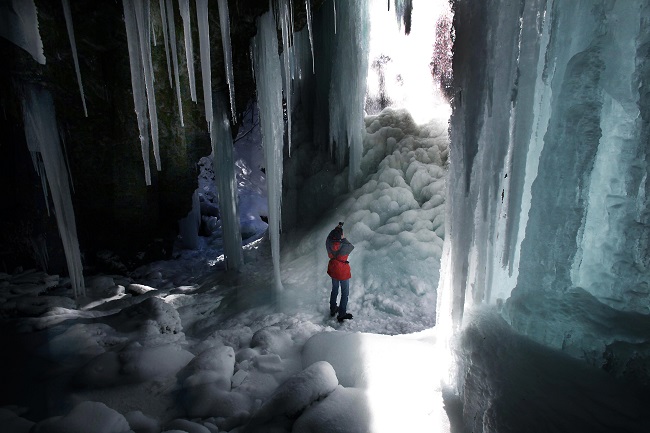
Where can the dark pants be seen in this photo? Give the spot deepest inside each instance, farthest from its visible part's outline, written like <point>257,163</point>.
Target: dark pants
<point>345,291</point>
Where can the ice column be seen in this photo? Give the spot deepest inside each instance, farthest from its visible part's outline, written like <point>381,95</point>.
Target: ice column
<point>73,45</point>
<point>269,93</point>
<point>348,86</point>
<point>224,20</point>
<point>174,54</point>
<point>42,134</point>
<point>184,6</point>
<point>137,83</point>
<point>204,41</point>
<point>163,20</point>
<point>226,184</point>
<point>284,18</point>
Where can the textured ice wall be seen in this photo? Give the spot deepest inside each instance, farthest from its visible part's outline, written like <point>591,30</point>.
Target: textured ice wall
<point>549,170</point>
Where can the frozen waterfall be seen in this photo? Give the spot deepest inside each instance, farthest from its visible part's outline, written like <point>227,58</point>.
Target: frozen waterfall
<point>268,75</point>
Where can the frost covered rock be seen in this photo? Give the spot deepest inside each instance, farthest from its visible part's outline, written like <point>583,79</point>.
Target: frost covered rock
<point>12,423</point>
<point>345,409</point>
<point>141,423</point>
<point>185,426</point>
<point>138,289</point>
<point>272,340</point>
<point>294,395</point>
<point>151,316</point>
<point>86,416</point>
<point>215,366</point>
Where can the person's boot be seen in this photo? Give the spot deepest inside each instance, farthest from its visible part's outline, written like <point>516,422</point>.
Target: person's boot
<point>333,311</point>
<point>346,316</point>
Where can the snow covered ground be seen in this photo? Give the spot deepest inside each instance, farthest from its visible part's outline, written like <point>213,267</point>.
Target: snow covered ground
<point>183,345</point>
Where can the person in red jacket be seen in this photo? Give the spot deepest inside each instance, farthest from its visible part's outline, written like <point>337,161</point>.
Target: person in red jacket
<point>338,249</point>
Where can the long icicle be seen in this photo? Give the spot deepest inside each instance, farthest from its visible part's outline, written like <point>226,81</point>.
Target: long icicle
<point>73,45</point>
<point>224,21</point>
<point>163,21</point>
<point>137,83</point>
<point>143,19</point>
<point>311,35</point>
<point>283,16</point>
<point>184,6</point>
<point>204,41</point>
<point>174,54</point>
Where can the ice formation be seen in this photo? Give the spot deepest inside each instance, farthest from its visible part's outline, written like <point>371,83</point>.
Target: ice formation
<point>283,16</point>
<point>137,83</point>
<point>174,55</point>
<point>311,36</point>
<point>42,135</point>
<point>19,24</point>
<point>73,45</point>
<point>184,6</point>
<point>348,86</point>
<point>224,21</point>
<point>226,183</point>
<point>268,75</point>
<point>143,24</point>
<point>548,204</point>
<point>206,71</point>
<point>163,22</point>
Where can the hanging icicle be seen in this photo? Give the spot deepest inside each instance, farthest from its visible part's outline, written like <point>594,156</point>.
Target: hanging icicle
<point>283,16</point>
<point>73,44</point>
<point>41,132</point>
<point>184,6</point>
<point>311,35</point>
<point>174,55</point>
<point>143,20</point>
<point>206,72</point>
<point>137,82</point>
<point>269,92</point>
<point>163,20</point>
<point>224,20</point>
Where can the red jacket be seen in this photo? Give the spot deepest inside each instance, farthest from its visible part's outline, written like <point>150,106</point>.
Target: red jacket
<point>338,251</point>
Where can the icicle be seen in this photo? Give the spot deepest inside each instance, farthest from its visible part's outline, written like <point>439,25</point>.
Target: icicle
<point>283,15</point>
<point>174,54</point>
<point>137,82</point>
<point>334,3</point>
<point>269,93</point>
<point>348,87</point>
<point>224,20</point>
<point>40,125</point>
<point>73,45</point>
<point>65,154</point>
<point>163,20</point>
<point>206,73</point>
<point>226,184</point>
<point>19,24</point>
<point>184,6</point>
<point>311,35</point>
<point>144,24</point>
